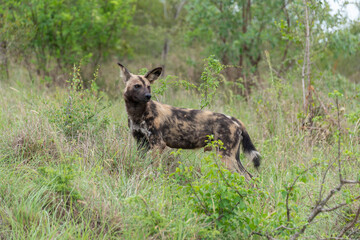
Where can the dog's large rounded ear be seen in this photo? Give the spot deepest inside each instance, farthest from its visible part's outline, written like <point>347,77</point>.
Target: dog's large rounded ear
<point>125,72</point>
<point>154,74</point>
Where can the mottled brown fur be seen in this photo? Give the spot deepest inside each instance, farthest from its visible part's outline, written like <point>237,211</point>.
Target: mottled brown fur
<point>156,125</point>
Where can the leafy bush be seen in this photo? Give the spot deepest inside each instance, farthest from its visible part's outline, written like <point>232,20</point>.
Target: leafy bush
<point>82,111</point>
<point>229,203</point>
<point>68,31</point>
<point>210,80</point>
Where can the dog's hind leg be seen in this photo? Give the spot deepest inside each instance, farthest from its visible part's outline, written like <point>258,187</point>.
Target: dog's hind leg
<point>231,159</point>
<point>233,165</point>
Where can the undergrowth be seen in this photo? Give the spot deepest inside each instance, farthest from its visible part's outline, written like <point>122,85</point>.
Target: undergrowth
<point>70,169</point>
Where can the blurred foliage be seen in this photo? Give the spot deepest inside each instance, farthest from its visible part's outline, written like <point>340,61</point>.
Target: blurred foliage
<point>63,32</point>
<point>49,36</point>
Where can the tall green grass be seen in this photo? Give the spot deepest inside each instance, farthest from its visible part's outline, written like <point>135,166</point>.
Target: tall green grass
<point>91,183</point>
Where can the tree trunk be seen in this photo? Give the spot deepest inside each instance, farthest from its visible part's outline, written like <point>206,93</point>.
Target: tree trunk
<point>306,65</point>
<point>166,45</point>
<point>164,54</point>
<point>242,70</point>
<point>4,61</point>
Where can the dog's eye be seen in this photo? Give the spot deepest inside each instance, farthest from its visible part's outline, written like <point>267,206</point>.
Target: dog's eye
<point>149,88</point>
<point>137,86</point>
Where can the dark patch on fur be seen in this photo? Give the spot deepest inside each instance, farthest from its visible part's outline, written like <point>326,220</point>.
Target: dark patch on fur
<point>224,134</point>
<point>153,109</point>
<point>149,120</point>
<point>142,81</point>
<point>135,110</point>
<point>141,140</point>
<point>155,139</point>
<point>183,114</point>
<point>180,133</point>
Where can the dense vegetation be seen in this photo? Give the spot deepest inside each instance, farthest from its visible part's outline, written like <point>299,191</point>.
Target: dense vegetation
<point>69,168</point>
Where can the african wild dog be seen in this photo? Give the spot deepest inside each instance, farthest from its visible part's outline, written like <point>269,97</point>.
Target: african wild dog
<point>157,126</point>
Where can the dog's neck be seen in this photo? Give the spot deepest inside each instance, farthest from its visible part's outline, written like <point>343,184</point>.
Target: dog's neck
<point>136,110</point>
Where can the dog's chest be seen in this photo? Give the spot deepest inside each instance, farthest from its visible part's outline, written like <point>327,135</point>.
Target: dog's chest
<point>140,127</point>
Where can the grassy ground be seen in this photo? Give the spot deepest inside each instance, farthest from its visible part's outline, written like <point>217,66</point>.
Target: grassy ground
<point>70,170</point>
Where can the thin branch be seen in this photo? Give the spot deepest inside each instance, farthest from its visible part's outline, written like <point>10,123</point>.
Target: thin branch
<point>336,238</point>
<point>323,180</point>
<point>339,140</point>
<point>308,65</point>
<point>349,181</point>
<point>316,210</point>
<point>350,224</point>
<point>226,181</point>
<point>290,189</point>
<point>340,205</point>
<point>339,153</point>
<point>355,231</point>
<point>319,208</point>
<point>303,83</point>
<point>201,203</point>
<point>283,227</point>
<point>263,235</point>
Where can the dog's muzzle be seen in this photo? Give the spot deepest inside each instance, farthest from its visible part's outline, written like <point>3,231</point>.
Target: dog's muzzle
<point>147,96</point>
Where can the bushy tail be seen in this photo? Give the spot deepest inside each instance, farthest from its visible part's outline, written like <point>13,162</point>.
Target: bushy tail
<point>249,149</point>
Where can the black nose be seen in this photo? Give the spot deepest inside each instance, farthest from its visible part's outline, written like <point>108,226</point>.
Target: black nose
<point>148,96</point>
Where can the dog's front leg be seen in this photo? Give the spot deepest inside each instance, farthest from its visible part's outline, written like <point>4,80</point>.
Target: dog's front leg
<point>157,145</point>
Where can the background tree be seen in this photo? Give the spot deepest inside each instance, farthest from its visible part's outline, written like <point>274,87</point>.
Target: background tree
<point>66,32</point>
<point>160,22</point>
<point>236,31</point>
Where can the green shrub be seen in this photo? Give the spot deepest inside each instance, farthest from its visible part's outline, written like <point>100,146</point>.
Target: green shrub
<point>228,202</point>
<point>65,31</point>
<point>82,111</point>
<point>210,80</point>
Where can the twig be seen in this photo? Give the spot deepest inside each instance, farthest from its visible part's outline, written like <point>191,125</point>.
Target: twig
<point>350,224</point>
<point>339,140</point>
<point>284,227</point>
<point>319,208</point>
<point>350,181</point>
<point>355,231</point>
<point>340,205</point>
<point>336,238</point>
<point>339,152</point>
<point>316,210</point>
<point>201,203</point>
<point>323,180</point>
<point>227,183</point>
<point>290,189</point>
<point>263,235</point>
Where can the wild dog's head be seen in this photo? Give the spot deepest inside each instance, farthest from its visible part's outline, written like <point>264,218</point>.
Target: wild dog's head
<point>137,87</point>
